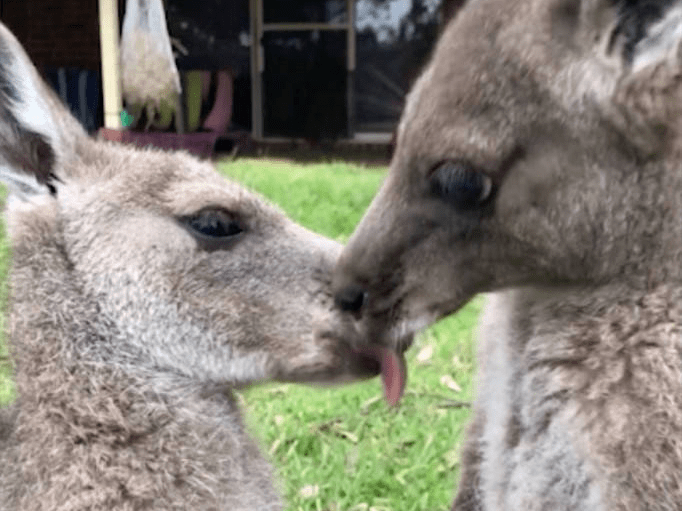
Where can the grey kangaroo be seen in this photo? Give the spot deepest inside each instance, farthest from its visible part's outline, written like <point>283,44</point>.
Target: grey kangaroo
<point>539,159</point>
<point>144,289</point>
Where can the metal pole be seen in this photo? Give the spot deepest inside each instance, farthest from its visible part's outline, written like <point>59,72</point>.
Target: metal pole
<point>111,71</point>
<point>350,80</point>
<point>256,15</point>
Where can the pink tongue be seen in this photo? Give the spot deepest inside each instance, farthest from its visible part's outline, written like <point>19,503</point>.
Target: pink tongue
<point>393,375</point>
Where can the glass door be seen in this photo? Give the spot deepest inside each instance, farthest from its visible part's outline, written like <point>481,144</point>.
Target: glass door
<point>394,39</point>
<point>304,63</point>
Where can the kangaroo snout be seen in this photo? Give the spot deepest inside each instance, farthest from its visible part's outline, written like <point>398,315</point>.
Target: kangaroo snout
<point>366,321</point>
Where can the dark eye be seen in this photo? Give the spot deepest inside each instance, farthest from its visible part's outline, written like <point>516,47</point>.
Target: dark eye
<point>461,184</point>
<point>212,227</point>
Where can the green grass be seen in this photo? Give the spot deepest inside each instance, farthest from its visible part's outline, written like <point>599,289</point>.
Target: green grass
<point>6,383</point>
<point>327,198</point>
<point>344,449</point>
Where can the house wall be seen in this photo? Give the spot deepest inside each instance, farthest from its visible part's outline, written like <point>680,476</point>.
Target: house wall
<point>56,33</point>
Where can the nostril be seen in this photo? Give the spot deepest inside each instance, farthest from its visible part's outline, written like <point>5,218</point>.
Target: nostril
<point>351,299</point>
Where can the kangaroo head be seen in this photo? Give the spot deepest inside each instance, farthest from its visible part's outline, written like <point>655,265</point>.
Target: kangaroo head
<point>540,147</point>
<point>182,272</point>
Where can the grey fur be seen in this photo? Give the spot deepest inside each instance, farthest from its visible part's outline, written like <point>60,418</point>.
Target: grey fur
<point>580,378</point>
<point>128,337</point>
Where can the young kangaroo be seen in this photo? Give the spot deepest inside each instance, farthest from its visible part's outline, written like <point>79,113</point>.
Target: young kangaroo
<point>143,289</point>
<point>539,157</point>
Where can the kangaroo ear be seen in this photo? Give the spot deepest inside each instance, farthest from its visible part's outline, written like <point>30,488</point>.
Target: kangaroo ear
<point>621,31</point>
<point>37,133</point>
<point>655,35</point>
<point>648,39</point>
<point>628,52</point>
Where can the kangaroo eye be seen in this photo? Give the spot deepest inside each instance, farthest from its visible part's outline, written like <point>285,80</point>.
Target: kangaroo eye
<point>212,226</point>
<point>214,223</point>
<point>461,184</point>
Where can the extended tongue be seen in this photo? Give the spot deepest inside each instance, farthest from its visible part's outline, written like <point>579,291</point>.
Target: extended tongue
<point>393,375</point>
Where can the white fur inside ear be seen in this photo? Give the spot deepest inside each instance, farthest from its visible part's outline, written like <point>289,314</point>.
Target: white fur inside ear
<point>662,39</point>
<point>32,110</point>
<point>21,185</point>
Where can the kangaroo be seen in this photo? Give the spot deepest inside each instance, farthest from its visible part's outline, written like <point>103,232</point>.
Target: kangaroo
<point>144,290</point>
<point>539,159</point>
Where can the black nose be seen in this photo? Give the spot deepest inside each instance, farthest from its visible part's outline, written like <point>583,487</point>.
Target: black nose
<point>351,299</point>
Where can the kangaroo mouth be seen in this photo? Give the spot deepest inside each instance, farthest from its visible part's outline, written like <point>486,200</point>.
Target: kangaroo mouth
<point>393,370</point>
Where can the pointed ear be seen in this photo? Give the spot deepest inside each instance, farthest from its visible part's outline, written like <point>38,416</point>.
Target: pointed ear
<point>611,29</point>
<point>627,56</point>
<point>37,133</point>
<point>659,40</point>
<point>648,95</point>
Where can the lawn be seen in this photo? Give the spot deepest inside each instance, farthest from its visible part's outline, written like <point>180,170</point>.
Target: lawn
<point>344,449</point>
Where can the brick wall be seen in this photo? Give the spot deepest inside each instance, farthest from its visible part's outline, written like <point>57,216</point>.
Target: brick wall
<point>56,33</point>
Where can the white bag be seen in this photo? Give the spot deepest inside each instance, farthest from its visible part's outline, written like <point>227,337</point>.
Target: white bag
<point>149,75</point>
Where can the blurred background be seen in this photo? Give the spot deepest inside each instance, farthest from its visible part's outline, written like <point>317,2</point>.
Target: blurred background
<point>277,70</point>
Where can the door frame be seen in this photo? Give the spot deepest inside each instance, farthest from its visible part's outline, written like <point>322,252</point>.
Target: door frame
<point>259,28</point>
